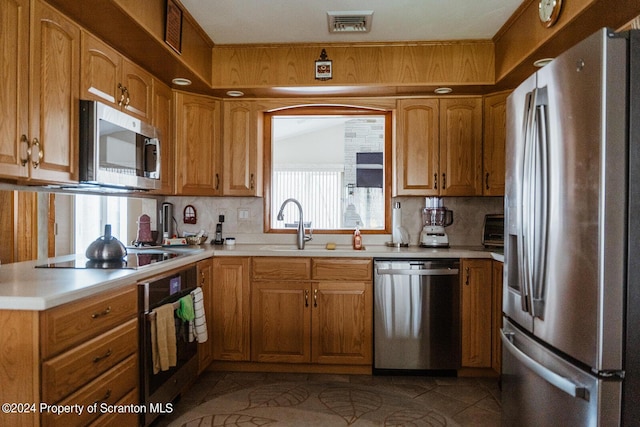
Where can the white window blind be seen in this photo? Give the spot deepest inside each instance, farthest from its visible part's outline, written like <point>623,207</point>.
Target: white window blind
<point>322,207</point>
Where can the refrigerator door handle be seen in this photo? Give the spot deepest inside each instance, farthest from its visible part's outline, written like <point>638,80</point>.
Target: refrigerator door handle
<point>525,244</point>
<point>558,381</point>
<point>542,211</point>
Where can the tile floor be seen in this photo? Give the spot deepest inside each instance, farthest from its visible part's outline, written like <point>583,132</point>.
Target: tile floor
<point>369,400</point>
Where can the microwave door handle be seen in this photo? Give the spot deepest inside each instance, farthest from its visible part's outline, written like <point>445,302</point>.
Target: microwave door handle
<point>562,383</point>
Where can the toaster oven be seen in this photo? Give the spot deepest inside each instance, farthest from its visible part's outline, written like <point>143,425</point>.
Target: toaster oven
<point>493,231</point>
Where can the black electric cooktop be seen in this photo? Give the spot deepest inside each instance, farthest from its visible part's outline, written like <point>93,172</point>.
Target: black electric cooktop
<point>130,261</point>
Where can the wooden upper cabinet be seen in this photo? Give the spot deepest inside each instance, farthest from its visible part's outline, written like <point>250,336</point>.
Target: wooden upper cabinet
<point>241,148</point>
<point>163,120</point>
<point>100,71</point>
<point>108,77</point>
<point>14,90</point>
<point>495,122</point>
<point>38,125</point>
<point>197,145</point>
<point>138,84</point>
<point>417,149</point>
<point>460,146</point>
<point>53,105</point>
<point>439,147</point>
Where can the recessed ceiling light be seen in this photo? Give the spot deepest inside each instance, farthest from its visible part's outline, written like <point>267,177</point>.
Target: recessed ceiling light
<point>542,62</point>
<point>443,90</point>
<point>235,93</point>
<point>181,81</point>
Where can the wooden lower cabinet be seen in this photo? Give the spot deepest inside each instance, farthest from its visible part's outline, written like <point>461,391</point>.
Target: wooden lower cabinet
<point>281,322</point>
<point>79,353</point>
<point>205,279</point>
<point>230,313</point>
<point>311,311</point>
<point>341,323</point>
<point>497,268</point>
<point>476,313</point>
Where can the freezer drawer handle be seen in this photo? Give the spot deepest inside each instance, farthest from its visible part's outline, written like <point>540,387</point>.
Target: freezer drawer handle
<point>549,376</point>
<point>426,272</point>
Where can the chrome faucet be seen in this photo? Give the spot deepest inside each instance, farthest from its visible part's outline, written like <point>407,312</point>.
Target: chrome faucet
<point>301,238</point>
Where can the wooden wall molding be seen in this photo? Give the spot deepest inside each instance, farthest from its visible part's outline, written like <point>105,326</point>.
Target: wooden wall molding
<point>449,63</point>
<point>522,40</point>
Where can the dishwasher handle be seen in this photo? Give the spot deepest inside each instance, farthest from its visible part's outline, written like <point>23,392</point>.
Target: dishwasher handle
<point>418,272</point>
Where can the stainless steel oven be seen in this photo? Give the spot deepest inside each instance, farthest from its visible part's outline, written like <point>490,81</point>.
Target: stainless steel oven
<point>159,390</point>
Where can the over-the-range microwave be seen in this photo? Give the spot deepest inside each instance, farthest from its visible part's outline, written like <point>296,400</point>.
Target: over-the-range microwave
<point>116,149</point>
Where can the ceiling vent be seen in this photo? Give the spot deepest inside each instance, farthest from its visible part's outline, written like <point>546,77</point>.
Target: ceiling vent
<point>350,21</point>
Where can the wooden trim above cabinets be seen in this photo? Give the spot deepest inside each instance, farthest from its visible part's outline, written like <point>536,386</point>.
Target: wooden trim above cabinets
<point>390,64</point>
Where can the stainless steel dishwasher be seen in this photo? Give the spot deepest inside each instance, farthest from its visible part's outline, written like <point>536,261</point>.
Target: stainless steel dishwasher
<point>416,315</point>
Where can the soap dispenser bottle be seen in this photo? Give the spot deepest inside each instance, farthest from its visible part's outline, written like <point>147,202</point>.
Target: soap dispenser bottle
<point>357,237</point>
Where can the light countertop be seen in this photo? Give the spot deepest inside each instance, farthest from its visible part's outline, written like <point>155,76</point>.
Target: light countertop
<point>24,287</point>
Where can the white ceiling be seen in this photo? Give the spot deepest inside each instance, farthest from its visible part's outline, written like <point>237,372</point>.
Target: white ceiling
<point>305,21</point>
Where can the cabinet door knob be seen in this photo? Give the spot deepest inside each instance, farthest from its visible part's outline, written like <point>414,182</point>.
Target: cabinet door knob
<point>26,145</point>
<point>217,181</point>
<point>486,180</point>
<point>122,94</point>
<point>104,356</point>
<point>251,182</point>
<point>102,313</point>
<point>435,181</point>
<point>444,181</point>
<point>106,396</point>
<point>466,280</point>
<point>39,156</point>
<point>306,298</point>
<point>315,297</point>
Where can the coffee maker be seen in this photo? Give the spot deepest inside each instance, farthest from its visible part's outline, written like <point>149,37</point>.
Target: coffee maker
<point>435,217</point>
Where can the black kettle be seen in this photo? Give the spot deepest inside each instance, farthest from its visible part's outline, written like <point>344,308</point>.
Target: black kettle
<point>106,248</point>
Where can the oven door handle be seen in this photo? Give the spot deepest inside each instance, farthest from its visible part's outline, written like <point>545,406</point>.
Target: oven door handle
<point>418,272</point>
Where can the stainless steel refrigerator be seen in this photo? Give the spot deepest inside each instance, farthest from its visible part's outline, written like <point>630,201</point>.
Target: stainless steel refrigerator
<point>571,297</point>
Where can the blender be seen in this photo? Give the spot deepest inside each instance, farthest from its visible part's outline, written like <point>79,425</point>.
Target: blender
<point>435,217</point>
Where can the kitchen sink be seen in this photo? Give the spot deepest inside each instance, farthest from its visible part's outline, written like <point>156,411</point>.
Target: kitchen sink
<point>281,248</point>
<point>307,247</point>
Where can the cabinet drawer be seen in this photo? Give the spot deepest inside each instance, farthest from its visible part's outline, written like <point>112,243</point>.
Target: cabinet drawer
<point>341,269</point>
<point>74,323</point>
<point>281,268</point>
<point>107,389</point>
<point>122,418</point>
<point>65,373</point>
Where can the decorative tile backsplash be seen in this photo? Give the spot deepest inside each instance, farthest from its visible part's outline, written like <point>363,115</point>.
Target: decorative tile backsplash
<point>466,230</point>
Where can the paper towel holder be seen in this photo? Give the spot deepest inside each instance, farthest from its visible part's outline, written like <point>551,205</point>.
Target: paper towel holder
<point>401,230</point>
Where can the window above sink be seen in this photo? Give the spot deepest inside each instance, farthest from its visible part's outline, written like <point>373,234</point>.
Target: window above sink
<point>333,160</point>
